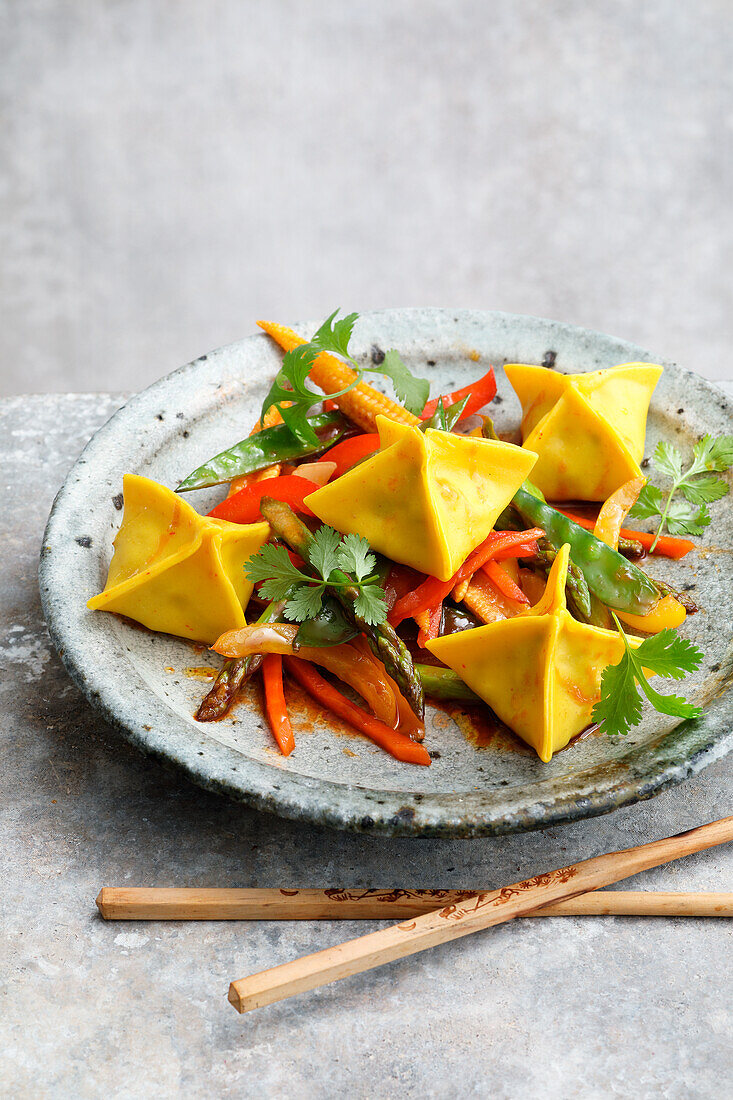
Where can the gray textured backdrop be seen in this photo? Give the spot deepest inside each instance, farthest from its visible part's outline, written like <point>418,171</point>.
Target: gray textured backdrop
<point>172,170</point>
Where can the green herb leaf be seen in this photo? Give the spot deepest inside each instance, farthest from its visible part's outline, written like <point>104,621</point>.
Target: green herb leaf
<point>354,557</point>
<point>713,454</point>
<point>413,392</point>
<point>697,485</point>
<point>370,604</point>
<point>668,460</point>
<point>273,568</point>
<point>323,551</point>
<point>650,502</point>
<point>304,603</point>
<point>681,520</point>
<point>328,554</point>
<point>334,335</point>
<point>622,685</point>
<point>704,489</point>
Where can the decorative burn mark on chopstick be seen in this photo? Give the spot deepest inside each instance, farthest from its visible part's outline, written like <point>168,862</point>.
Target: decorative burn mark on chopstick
<point>501,897</point>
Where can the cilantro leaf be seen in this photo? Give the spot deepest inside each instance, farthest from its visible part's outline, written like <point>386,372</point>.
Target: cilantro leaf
<point>304,603</point>
<point>712,454</point>
<point>681,520</point>
<point>650,502</point>
<point>619,707</point>
<point>370,604</point>
<point>413,392</point>
<point>705,489</point>
<point>668,460</point>
<point>323,551</point>
<point>334,335</point>
<point>354,557</point>
<point>273,568</point>
<point>663,654</point>
<point>279,579</point>
<point>666,654</point>
<point>697,485</point>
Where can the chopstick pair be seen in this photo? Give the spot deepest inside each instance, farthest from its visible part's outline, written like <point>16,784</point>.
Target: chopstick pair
<point>468,913</point>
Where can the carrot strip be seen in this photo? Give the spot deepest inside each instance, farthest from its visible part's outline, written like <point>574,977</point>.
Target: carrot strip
<point>392,741</point>
<point>430,624</point>
<point>277,715</point>
<point>667,546</point>
<point>504,582</point>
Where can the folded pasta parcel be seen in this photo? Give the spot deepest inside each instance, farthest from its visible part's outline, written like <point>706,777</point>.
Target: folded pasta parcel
<point>587,429</point>
<point>539,672</point>
<point>176,571</point>
<point>425,499</point>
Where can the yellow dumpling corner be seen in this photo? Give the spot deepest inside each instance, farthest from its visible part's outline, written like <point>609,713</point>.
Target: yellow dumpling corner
<point>588,430</point>
<point>539,672</point>
<point>425,499</point>
<point>176,571</point>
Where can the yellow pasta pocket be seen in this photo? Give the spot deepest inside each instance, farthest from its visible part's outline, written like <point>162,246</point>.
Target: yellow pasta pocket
<point>588,430</point>
<point>539,672</point>
<point>425,499</point>
<point>176,571</point>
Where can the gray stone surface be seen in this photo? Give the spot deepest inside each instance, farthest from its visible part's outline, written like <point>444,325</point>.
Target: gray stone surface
<point>553,1008</point>
<point>172,171</point>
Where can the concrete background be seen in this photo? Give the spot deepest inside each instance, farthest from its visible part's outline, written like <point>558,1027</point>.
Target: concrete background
<point>170,171</point>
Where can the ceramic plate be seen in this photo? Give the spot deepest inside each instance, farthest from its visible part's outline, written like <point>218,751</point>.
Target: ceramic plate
<point>482,781</point>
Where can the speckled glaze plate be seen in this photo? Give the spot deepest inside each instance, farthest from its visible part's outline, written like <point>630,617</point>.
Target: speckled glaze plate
<point>146,684</point>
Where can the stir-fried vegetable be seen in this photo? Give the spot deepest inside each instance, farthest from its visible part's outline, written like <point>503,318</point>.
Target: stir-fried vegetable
<point>478,394</point>
<point>357,667</point>
<point>244,506</point>
<point>351,451</point>
<point>233,675</point>
<point>257,452</point>
<point>392,741</point>
<point>277,714</point>
<point>445,684</point>
<point>614,511</point>
<point>384,642</point>
<point>665,546</point>
<point>318,360</point>
<point>615,581</point>
<point>433,591</point>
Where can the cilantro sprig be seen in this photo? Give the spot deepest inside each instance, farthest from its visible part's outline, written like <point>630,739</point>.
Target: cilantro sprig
<point>665,654</point>
<point>294,398</point>
<point>339,561</point>
<point>698,486</point>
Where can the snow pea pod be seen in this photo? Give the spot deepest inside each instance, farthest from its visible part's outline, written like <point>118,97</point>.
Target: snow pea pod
<point>265,448</point>
<point>617,582</point>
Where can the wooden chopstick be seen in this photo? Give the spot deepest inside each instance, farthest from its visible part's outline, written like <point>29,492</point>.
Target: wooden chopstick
<point>471,915</point>
<point>170,903</point>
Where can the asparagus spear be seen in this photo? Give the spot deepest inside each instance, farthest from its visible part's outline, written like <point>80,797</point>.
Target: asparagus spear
<point>444,683</point>
<point>384,642</point>
<point>233,675</point>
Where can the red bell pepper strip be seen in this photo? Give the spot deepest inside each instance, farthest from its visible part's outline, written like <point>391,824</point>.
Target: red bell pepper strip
<point>351,451</point>
<point>667,547</point>
<point>433,591</point>
<point>479,393</point>
<point>277,715</point>
<point>523,550</point>
<point>504,582</point>
<point>244,506</point>
<point>392,741</point>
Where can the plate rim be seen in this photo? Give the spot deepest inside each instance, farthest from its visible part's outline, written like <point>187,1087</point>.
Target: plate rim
<point>649,768</point>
